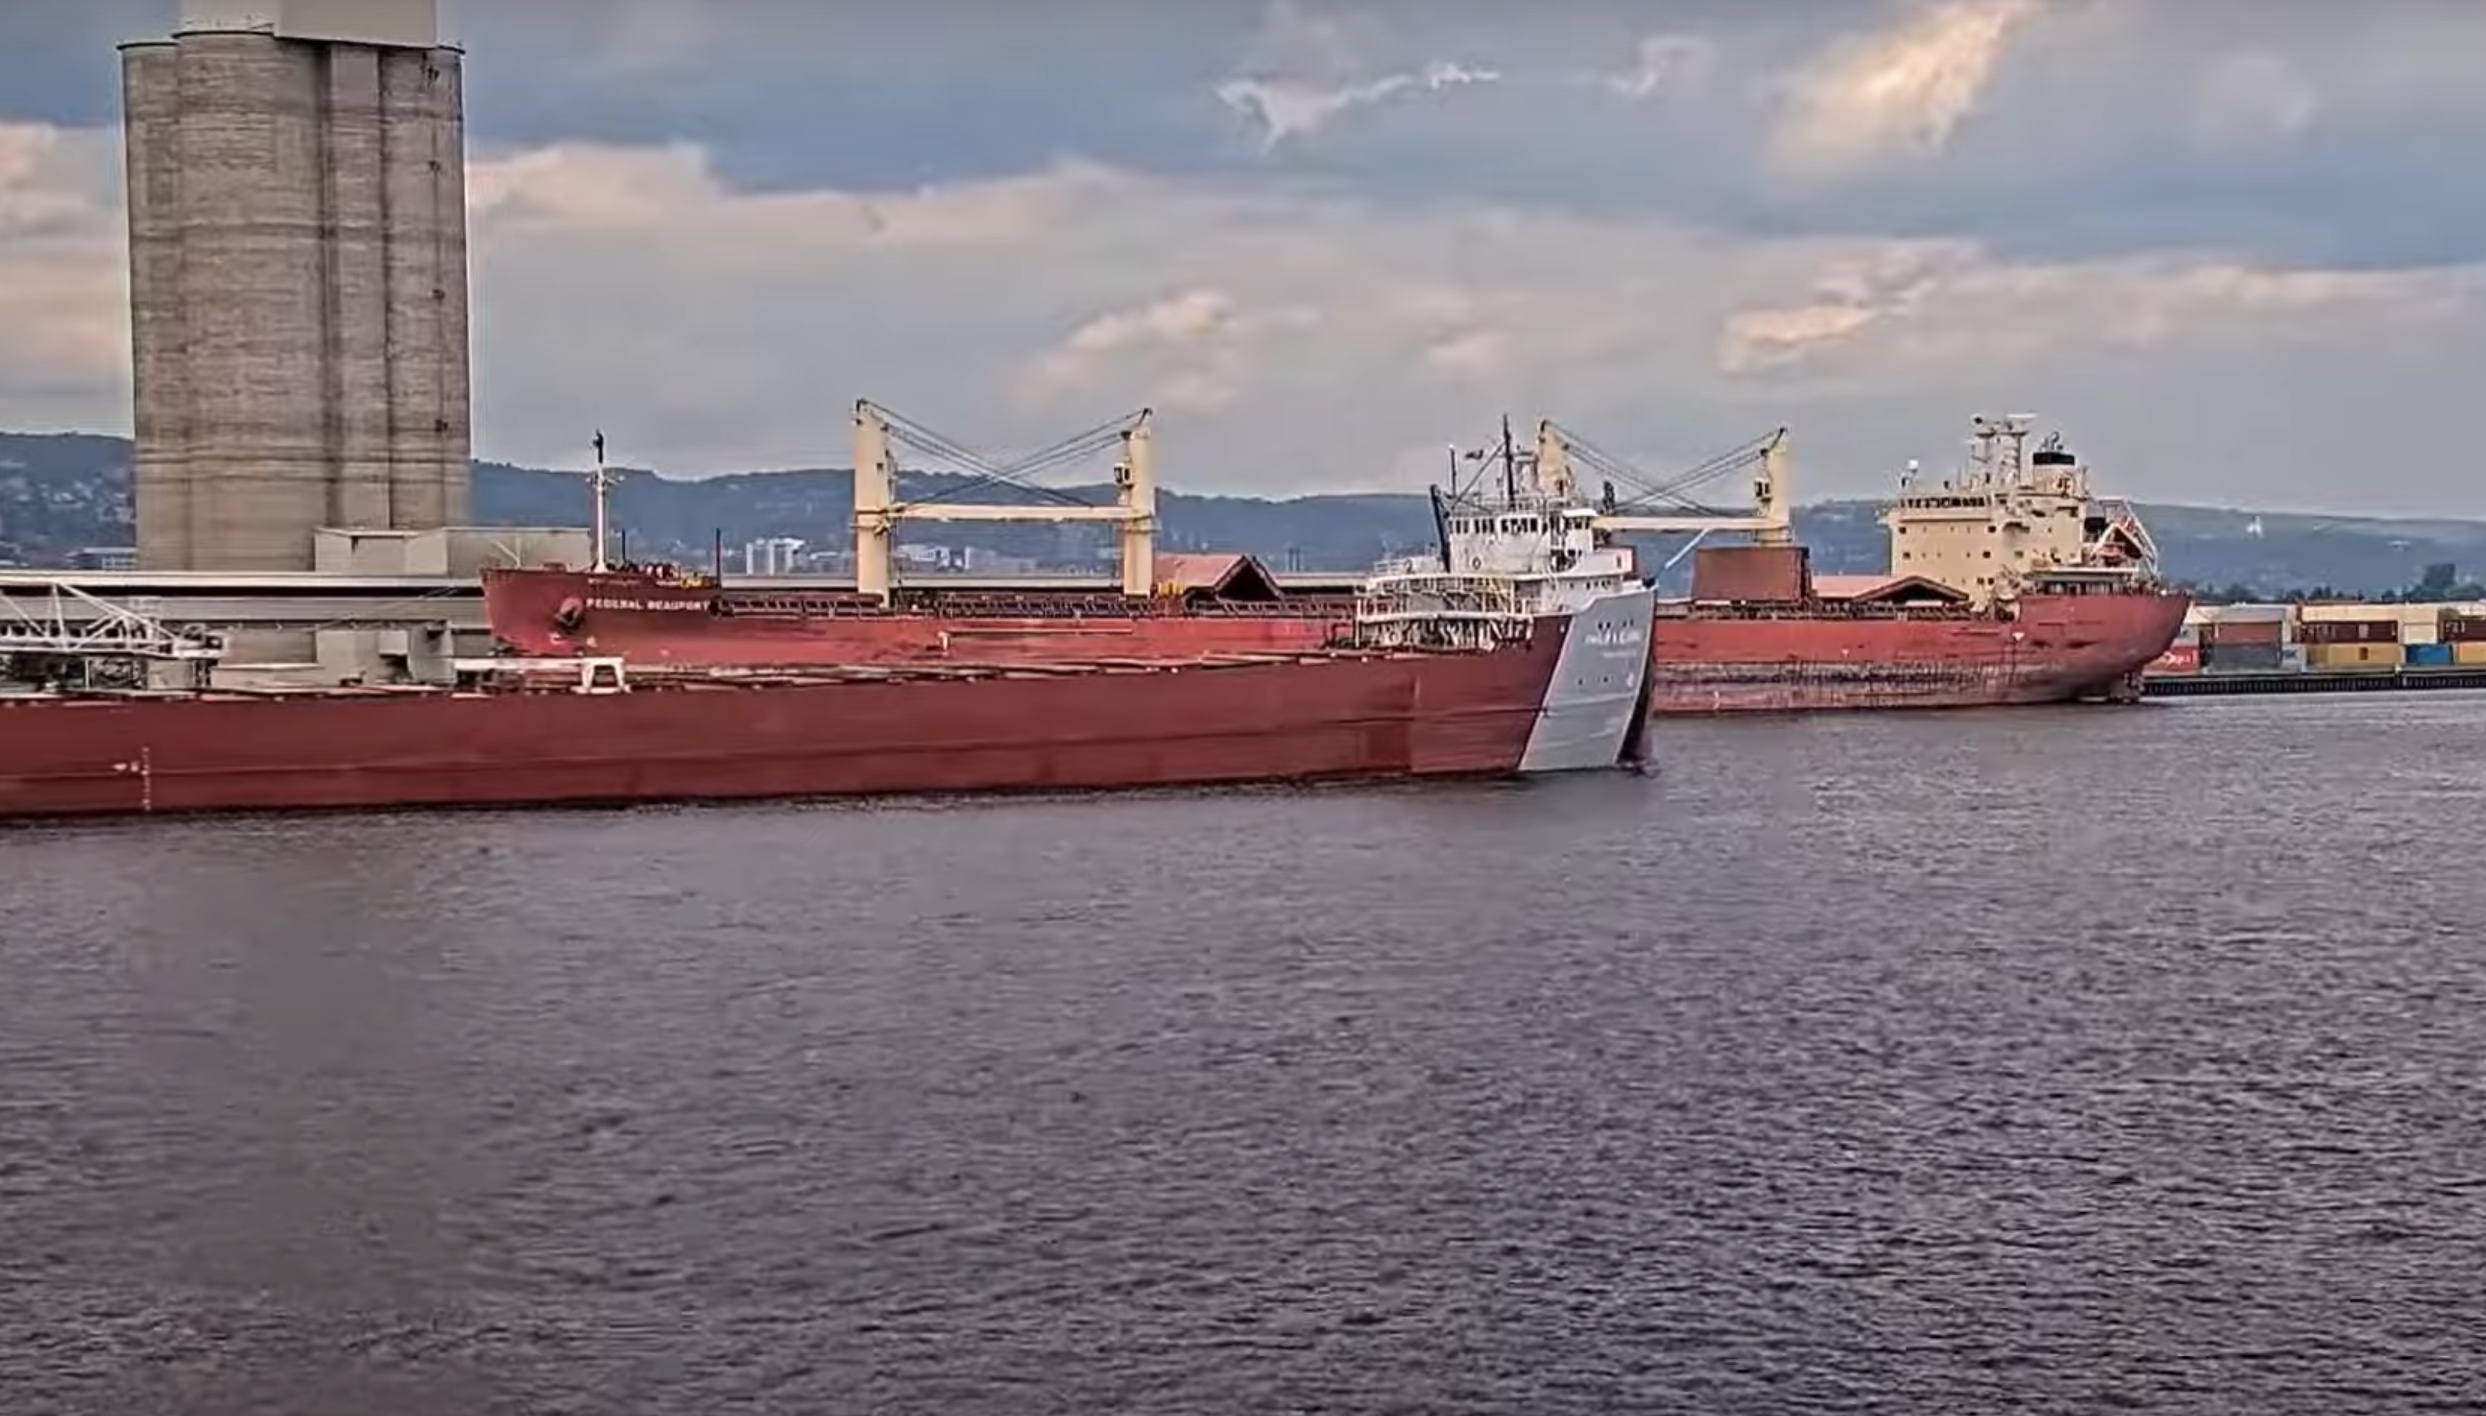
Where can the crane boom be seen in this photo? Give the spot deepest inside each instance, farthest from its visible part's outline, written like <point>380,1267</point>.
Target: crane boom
<point>877,509</point>
<point>1770,520</point>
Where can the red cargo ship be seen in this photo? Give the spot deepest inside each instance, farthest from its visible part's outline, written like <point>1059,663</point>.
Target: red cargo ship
<point>1522,694</point>
<point>1169,607</point>
<point>2063,641</point>
<point>2063,599</point>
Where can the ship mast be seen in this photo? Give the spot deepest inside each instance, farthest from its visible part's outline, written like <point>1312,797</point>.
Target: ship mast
<point>1504,453</point>
<point>599,481</point>
<point>1510,465</point>
<point>1999,456</point>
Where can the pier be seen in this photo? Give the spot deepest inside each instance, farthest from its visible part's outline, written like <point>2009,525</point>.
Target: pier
<point>2392,680</point>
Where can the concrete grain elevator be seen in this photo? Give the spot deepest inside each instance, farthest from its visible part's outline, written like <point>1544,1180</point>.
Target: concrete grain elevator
<point>298,279</point>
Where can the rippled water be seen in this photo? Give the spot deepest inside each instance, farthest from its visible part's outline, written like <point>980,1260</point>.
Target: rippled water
<point>2032,1060</point>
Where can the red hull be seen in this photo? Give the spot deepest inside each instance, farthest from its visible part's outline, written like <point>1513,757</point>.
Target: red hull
<point>682,625</point>
<point>1334,717</point>
<point>2057,648</point>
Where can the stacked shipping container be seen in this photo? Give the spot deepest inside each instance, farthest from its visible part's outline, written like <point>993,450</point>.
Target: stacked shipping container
<point>2244,639</point>
<point>2326,637</point>
<point>2342,637</point>
<point>2464,634</point>
<point>2421,637</point>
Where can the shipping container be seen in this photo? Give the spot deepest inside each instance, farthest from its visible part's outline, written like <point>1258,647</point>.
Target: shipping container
<point>2250,631</point>
<point>2224,657</point>
<point>2349,631</point>
<point>2429,656</point>
<point>2292,658</point>
<point>2469,651</point>
<point>1780,574</point>
<point>2352,656</point>
<point>2464,629</point>
<point>2251,614</point>
<point>2179,659</point>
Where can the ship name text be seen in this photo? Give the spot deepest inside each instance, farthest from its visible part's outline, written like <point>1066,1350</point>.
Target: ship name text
<point>621,602</point>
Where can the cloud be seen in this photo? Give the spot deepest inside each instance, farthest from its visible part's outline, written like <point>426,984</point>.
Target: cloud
<point>1896,91</point>
<point>2253,97</point>
<point>64,330</point>
<point>1947,307</point>
<point>1298,341</point>
<point>1283,110</point>
<point>1308,70</point>
<point>1663,66</point>
<point>1188,352</point>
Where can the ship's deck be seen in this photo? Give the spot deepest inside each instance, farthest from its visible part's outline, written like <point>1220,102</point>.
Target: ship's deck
<point>538,676</point>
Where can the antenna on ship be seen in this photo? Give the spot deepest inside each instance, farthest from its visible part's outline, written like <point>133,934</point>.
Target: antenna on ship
<point>598,481</point>
<point>1510,465</point>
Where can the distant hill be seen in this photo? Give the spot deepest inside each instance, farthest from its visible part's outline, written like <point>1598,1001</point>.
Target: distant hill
<point>60,493</point>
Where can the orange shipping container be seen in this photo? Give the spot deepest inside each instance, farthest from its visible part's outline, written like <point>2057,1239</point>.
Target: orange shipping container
<point>2353,656</point>
<point>2251,631</point>
<point>1767,573</point>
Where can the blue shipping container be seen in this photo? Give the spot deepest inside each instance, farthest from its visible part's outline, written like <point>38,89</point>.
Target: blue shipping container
<point>2429,656</point>
<point>2241,658</point>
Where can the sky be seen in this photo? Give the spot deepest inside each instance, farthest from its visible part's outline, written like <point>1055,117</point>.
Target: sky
<point>2234,249</point>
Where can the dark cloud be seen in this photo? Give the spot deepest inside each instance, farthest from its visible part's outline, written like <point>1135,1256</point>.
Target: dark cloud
<point>2108,126</point>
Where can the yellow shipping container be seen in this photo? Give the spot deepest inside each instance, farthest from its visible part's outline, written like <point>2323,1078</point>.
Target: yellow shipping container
<point>2352,656</point>
<point>2336,613</point>
<point>2471,653</point>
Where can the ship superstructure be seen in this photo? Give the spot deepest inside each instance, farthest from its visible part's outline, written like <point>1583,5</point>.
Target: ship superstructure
<point>2012,521</point>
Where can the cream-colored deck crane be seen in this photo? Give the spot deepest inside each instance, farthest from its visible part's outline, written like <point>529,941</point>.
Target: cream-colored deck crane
<point>878,510</point>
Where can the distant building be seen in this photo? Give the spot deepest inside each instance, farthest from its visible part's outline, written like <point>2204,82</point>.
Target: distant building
<point>771,555</point>
<point>105,558</point>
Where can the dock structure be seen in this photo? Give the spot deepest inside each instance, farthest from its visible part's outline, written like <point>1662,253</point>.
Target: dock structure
<point>2236,684</point>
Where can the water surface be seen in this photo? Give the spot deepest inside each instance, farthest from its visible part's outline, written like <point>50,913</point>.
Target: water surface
<point>2026,1060</point>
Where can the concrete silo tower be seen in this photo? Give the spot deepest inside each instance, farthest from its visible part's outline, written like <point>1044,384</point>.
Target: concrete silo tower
<point>298,279</point>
